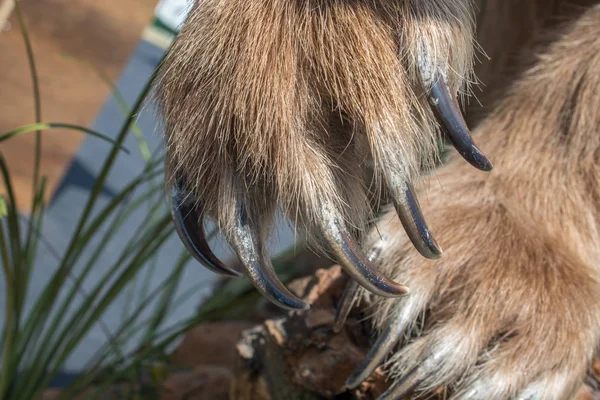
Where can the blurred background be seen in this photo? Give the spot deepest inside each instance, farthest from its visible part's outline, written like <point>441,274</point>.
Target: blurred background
<point>72,39</point>
<point>93,272</point>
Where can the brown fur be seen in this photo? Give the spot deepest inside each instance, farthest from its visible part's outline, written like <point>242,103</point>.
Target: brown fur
<point>293,101</point>
<point>290,100</point>
<point>516,298</point>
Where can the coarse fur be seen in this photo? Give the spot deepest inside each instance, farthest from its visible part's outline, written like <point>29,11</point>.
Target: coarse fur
<point>293,101</point>
<point>311,103</point>
<point>516,299</point>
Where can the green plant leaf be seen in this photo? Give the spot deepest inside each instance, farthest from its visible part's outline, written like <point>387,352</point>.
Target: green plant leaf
<point>3,208</point>
<point>135,128</point>
<point>54,125</point>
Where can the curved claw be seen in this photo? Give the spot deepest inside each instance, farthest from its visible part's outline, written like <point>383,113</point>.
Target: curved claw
<point>352,259</point>
<point>385,343</point>
<point>446,109</point>
<point>259,269</point>
<point>405,385</point>
<point>409,211</point>
<point>189,224</point>
<point>351,294</point>
<point>382,347</point>
<point>346,303</point>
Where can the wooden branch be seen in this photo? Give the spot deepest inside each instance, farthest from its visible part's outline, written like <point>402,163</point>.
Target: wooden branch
<point>299,357</point>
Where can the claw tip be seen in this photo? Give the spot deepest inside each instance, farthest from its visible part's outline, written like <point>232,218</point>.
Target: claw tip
<point>398,290</point>
<point>438,254</point>
<point>481,161</point>
<point>433,251</point>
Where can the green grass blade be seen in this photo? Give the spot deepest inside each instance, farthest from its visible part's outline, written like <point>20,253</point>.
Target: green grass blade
<point>52,354</point>
<point>110,159</point>
<point>36,96</point>
<point>9,331</point>
<point>166,300</point>
<point>3,208</point>
<point>22,271</point>
<point>43,306</point>
<point>34,223</point>
<point>135,128</point>
<point>74,333</point>
<point>38,127</point>
<point>39,315</point>
<point>127,328</point>
<point>14,229</point>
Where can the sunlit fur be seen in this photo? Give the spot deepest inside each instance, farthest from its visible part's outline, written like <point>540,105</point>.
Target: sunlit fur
<point>292,101</point>
<point>307,102</point>
<point>514,305</point>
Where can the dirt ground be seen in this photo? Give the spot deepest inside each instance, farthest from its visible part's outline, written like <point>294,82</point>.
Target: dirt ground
<point>103,33</point>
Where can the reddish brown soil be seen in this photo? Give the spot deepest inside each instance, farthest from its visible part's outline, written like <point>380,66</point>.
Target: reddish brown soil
<point>100,32</point>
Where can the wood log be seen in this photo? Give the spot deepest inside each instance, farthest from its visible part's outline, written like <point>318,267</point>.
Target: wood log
<point>299,357</point>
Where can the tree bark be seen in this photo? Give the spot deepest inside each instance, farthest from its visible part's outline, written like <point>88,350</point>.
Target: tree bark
<point>299,357</point>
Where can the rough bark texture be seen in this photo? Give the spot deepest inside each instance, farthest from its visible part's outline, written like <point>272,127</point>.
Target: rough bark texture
<point>294,357</point>
<point>298,357</point>
<point>211,344</point>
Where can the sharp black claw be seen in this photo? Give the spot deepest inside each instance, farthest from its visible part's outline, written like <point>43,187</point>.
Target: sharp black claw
<point>259,269</point>
<point>189,224</point>
<point>409,212</point>
<point>384,344</point>
<point>447,110</point>
<point>345,306</point>
<point>351,293</point>
<point>405,385</point>
<point>352,259</point>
